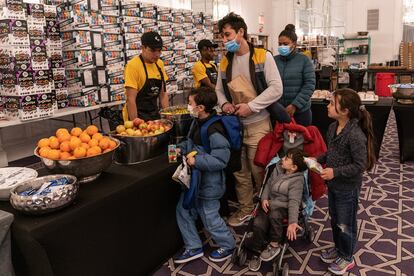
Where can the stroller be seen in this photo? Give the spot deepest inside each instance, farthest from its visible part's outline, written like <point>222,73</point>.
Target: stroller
<point>240,254</point>
<point>283,137</point>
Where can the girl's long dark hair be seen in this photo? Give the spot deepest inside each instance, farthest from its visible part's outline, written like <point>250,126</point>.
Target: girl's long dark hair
<point>350,100</point>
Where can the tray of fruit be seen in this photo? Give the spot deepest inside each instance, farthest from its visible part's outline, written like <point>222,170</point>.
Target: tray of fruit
<point>141,140</point>
<point>82,153</point>
<point>176,110</point>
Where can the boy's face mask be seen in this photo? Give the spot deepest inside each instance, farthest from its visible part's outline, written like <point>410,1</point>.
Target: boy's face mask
<point>192,110</point>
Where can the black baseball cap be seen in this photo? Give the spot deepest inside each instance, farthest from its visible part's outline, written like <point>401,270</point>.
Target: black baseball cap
<point>206,43</point>
<point>152,40</point>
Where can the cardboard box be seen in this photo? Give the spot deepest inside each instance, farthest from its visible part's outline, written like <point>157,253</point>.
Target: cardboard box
<point>45,105</point>
<point>405,79</point>
<point>21,107</point>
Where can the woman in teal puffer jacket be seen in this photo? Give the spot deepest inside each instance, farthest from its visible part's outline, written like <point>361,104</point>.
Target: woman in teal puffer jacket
<point>298,77</point>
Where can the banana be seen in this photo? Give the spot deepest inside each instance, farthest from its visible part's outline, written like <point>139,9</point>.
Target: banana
<point>191,154</point>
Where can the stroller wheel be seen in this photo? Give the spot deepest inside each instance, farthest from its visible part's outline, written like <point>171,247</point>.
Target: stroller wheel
<point>234,256</point>
<point>242,257</point>
<point>311,234</point>
<point>285,271</point>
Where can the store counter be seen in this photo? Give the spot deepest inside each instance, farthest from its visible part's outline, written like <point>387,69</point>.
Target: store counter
<point>6,267</point>
<point>123,223</point>
<point>379,112</point>
<point>404,116</point>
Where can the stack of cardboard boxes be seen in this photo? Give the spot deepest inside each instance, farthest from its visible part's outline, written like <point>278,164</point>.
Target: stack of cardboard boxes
<point>30,53</point>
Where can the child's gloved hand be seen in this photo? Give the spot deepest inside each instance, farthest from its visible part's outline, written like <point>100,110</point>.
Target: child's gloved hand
<point>265,205</point>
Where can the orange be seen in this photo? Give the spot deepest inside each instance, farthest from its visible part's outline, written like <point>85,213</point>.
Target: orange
<point>44,152</point>
<point>84,137</point>
<point>107,150</point>
<point>71,157</point>
<point>65,146</point>
<point>104,143</point>
<point>79,152</point>
<point>95,150</point>
<point>61,131</point>
<point>53,142</point>
<point>75,142</point>
<point>112,144</point>
<point>43,143</point>
<point>76,131</point>
<point>85,145</point>
<point>64,137</point>
<point>65,155</point>
<point>53,154</point>
<point>93,142</point>
<point>91,130</point>
<point>97,136</point>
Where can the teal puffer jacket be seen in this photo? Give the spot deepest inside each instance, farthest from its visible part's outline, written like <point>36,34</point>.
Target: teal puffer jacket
<point>298,77</point>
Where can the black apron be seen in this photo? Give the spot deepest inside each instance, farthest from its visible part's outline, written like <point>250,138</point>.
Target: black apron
<point>147,98</point>
<point>211,74</point>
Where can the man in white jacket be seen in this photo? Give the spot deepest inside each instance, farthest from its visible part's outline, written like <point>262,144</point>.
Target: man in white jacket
<point>257,66</point>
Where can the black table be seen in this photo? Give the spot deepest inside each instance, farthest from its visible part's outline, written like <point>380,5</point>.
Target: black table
<point>404,116</point>
<point>379,112</point>
<point>123,223</point>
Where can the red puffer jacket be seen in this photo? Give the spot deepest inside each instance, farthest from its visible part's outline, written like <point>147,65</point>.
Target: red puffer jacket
<point>313,146</point>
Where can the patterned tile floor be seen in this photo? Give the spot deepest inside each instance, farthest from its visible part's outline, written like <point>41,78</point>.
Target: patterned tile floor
<point>385,219</point>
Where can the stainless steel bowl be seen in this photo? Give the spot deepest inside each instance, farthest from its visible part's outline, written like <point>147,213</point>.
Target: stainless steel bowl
<point>182,122</point>
<point>137,149</point>
<point>37,204</point>
<point>85,169</point>
<point>403,93</point>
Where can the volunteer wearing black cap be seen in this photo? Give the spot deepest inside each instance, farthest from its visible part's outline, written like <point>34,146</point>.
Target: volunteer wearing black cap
<point>145,81</point>
<point>204,71</point>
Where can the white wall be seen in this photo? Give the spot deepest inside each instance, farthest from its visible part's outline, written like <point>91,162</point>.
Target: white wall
<point>277,13</point>
<point>385,42</point>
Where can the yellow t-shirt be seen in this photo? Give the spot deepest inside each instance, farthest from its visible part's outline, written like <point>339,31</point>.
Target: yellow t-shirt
<point>134,76</point>
<point>199,72</point>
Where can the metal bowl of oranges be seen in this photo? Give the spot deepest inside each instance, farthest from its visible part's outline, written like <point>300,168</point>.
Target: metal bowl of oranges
<point>82,153</point>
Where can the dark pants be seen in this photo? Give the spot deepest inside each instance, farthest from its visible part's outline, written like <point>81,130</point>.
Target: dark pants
<point>343,206</point>
<point>266,228</point>
<point>303,118</point>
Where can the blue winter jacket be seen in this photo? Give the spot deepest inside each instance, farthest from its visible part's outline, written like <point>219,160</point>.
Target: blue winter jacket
<point>211,164</point>
<point>298,77</point>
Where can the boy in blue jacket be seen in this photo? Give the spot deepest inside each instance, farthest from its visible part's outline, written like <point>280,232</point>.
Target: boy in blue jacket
<point>212,185</point>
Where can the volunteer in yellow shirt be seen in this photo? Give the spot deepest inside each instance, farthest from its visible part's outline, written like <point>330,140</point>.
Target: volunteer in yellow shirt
<point>145,81</point>
<point>204,71</point>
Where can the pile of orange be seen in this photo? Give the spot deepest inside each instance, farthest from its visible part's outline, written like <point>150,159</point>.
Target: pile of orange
<point>74,144</point>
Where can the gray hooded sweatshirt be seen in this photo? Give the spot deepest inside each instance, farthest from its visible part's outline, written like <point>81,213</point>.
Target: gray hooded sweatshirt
<point>285,191</point>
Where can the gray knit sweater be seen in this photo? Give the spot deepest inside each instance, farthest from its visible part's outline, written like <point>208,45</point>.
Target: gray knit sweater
<point>347,155</point>
<point>285,191</point>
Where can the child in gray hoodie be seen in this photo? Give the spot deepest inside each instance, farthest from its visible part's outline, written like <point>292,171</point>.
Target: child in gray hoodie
<point>281,198</point>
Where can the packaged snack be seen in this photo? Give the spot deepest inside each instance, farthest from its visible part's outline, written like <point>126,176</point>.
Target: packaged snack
<point>313,165</point>
<point>172,153</point>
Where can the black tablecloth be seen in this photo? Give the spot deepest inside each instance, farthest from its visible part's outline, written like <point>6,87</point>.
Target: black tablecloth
<point>121,224</point>
<point>379,112</point>
<point>403,116</point>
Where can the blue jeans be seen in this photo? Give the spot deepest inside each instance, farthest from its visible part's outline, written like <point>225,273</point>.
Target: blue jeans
<point>208,210</point>
<point>343,206</point>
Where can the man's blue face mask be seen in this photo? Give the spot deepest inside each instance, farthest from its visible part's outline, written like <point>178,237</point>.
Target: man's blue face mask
<point>232,45</point>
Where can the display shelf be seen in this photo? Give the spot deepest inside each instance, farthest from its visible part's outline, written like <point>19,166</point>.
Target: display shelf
<point>356,38</point>
<point>60,113</point>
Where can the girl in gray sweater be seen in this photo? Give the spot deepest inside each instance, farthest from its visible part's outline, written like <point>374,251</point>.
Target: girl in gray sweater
<point>350,152</point>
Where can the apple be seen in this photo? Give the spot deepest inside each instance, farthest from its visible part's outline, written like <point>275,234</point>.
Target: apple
<point>154,127</point>
<point>162,129</point>
<point>130,132</point>
<point>123,133</point>
<point>128,124</point>
<point>120,129</point>
<point>143,126</point>
<point>157,132</point>
<point>151,133</point>
<point>144,132</point>
<point>137,133</point>
<point>137,122</point>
